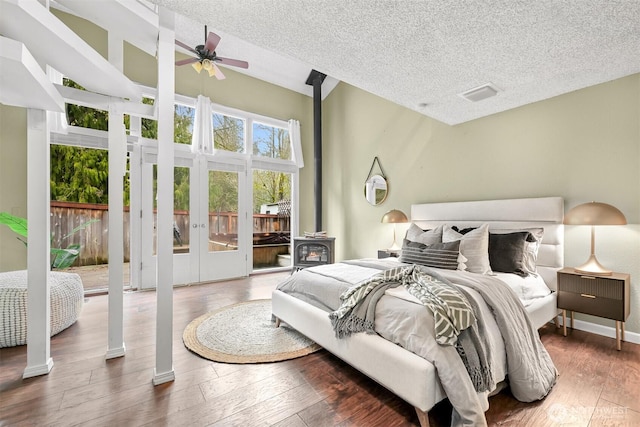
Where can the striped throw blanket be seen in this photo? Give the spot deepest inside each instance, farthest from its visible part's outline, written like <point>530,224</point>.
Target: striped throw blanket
<point>450,308</point>
<point>454,318</point>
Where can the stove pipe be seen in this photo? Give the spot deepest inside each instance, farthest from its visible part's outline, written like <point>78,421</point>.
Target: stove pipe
<point>315,79</point>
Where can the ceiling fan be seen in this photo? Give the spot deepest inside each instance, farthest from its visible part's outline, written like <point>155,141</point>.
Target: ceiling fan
<point>207,56</point>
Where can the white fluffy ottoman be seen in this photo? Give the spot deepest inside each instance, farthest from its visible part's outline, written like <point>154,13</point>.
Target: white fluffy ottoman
<point>67,296</point>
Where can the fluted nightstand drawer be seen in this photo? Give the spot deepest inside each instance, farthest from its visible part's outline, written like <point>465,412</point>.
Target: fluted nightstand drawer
<point>593,285</point>
<point>591,304</point>
<point>604,296</point>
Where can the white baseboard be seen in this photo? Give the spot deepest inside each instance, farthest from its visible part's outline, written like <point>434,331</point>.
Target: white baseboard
<point>113,353</point>
<point>37,370</point>
<point>606,331</point>
<point>164,377</point>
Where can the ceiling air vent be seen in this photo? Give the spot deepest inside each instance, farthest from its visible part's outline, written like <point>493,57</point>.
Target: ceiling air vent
<point>479,93</point>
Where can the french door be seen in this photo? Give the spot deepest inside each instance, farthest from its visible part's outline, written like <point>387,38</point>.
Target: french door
<point>222,239</point>
<point>210,220</point>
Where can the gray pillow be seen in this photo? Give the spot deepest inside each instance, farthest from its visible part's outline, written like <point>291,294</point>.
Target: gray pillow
<point>474,246</point>
<point>436,255</point>
<point>506,252</point>
<point>531,247</point>
<point>427,237</point>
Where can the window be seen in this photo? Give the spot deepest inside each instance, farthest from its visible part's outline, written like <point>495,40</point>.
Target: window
<point>228,133</point>
<point>149,126</point>
<point>184,117</point>
<point>271,141</point>
<point>85,117</point>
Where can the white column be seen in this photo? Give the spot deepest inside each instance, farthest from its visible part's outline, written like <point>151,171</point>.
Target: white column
<point>117,153</point>
<point>164,315</point>
<point>117,165</point>
<point>135,216</point>
<point>39,361</point>
<point>135,204</point>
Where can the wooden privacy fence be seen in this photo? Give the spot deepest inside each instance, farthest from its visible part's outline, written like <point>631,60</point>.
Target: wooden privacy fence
<point>93,239</point>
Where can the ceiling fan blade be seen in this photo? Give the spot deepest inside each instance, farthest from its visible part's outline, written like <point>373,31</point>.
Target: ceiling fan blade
<point>212,42</point>
<point>187,61</point>
<point>184,46</point>
<point>233,62</point>
<point>218,74</point>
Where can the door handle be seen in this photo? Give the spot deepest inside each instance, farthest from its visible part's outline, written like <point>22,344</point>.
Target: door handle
<point>195,225</point>
<point>202,225</point>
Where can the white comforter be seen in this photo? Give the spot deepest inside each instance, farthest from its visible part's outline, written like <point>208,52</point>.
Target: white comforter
<point>401,320</point>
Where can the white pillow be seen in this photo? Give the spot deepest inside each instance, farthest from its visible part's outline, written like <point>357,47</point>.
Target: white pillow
<point>417,234</point>
<point>527,288</point>
<point>474,246</point>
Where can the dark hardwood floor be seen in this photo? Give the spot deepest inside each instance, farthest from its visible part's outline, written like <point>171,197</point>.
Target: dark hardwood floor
<point>598,385</point>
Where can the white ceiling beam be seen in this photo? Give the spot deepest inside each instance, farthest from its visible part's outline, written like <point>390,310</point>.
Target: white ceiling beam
<point>101,102</point>
<point>51,42</point>
<point>23,83</point>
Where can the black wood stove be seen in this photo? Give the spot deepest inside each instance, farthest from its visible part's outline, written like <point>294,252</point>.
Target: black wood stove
<point>310,251</point>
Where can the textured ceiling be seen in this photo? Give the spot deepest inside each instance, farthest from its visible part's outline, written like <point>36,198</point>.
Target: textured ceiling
<point>422,54</point>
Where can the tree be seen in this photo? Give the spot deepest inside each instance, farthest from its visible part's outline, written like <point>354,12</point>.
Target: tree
<point>228,133</point>
<point>81,174</point>
<point>223,191</point>
<point>270,186</point>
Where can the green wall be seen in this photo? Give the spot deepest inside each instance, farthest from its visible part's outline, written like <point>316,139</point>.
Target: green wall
<point>581,146</point>
<point>13,182</point>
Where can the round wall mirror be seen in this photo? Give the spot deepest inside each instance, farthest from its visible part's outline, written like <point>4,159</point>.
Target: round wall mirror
<point>375,189</point>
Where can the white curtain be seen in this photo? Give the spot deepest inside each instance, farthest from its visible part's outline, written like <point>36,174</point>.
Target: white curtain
<point>202,140</point>
<point>296,143</point>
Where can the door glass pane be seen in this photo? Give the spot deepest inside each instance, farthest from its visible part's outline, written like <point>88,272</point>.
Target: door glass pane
<point>228,133</point>
<point>271,219</point>
<point>181,222</point>
<point>271,141</point>
<point>223,211</point>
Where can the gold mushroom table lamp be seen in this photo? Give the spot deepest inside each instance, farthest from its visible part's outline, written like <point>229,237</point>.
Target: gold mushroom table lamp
<point>394,216</point>
<point>594,213</point>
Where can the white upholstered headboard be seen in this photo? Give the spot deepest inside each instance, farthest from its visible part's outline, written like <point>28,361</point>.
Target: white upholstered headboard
<point>545,212</point>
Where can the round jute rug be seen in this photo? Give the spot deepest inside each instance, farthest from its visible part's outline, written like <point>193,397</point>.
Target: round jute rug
<point>245,333</point>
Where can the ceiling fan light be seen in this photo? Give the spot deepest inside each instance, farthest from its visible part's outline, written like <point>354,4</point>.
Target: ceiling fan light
<point>207,65</point>
<point>197,66</point>
<point>212,72</point>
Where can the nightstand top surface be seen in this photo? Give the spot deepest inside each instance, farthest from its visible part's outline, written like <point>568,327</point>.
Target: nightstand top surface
<point>616,276</point>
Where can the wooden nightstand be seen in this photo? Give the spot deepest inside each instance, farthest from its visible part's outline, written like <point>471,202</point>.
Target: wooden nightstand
<point>385,253</point>
<point>603,296</point>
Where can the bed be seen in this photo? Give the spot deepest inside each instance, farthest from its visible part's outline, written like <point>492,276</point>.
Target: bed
<point>396,367</point>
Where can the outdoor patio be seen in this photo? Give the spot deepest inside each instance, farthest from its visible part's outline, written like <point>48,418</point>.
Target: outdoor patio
<point>95,278</point>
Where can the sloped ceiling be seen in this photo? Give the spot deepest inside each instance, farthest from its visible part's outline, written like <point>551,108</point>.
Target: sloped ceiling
<point>423,54</point>
<point>130,20</point>
<point>137,23</point>
<point>419,54</point>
